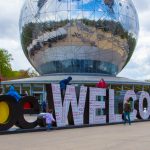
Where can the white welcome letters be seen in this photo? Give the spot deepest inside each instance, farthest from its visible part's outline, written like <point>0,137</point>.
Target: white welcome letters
<point>96,104</point>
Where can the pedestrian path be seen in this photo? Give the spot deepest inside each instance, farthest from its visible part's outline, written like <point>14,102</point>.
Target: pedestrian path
<point>115,137</point>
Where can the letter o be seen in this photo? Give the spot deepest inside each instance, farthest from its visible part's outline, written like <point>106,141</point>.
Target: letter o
<point>144,115</point>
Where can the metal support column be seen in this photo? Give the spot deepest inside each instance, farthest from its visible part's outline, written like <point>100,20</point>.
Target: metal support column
<point>44,92</point>
<point>20,88</point>
<point>31,89</point>
<point>3,89</point>
<point>110,86</point>
<point>133,87</point>
<point>142,87</point>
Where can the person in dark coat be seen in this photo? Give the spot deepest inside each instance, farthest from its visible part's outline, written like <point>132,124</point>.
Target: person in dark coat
<point>43,106</point>
<point>12,92</point>
<point>64,83</point>
<point>127,110</point>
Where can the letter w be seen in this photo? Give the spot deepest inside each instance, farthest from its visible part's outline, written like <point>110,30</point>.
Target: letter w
<point>61,110</point>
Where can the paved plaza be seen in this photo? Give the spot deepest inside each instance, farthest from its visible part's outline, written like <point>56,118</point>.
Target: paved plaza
<point>114,137</point>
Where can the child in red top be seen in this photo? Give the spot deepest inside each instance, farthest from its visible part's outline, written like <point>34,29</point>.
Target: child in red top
<point>102,84</point>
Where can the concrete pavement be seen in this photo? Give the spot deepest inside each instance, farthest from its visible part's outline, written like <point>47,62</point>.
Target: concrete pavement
<point>115,137</point>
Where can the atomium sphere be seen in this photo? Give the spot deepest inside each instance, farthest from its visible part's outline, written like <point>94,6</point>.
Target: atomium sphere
<point>79,36</point>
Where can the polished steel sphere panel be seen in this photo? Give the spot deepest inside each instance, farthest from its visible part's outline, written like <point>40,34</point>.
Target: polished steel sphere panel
<point>79,36</point>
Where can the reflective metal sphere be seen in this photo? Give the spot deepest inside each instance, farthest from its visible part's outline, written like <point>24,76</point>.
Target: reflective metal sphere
<point>79,36</point>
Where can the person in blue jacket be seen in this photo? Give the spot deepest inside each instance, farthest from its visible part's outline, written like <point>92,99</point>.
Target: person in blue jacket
<point>44,106</point>
<point>12,92</point>
<point>64,83</point>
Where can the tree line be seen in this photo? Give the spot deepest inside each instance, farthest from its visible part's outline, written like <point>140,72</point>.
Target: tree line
<point>6,71</point>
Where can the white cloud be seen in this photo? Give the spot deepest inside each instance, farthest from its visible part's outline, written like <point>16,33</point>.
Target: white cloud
<point>14,47</point>
<point>9,32</point>
<point>139,65</point>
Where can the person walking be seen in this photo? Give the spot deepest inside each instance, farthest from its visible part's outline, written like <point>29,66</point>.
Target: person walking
<point>127,110</point>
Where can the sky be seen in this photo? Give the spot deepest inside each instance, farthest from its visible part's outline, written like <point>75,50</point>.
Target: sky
<point>138,68</point>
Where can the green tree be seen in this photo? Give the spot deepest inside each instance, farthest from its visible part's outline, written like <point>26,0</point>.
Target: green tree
<point>5,66</point>
<point>24,74</point>
<point>6,72</point>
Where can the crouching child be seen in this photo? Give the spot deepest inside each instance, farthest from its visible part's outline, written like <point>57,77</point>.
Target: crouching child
<point>49,118</point>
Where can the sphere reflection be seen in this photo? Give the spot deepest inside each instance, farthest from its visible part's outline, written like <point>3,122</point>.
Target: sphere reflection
<point>79,36</point>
